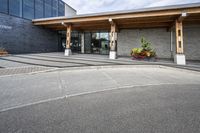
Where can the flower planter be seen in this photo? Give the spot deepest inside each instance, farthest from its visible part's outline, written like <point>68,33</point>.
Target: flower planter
<point>3,53</point>
<point>144,58</point>
<point>138,57</point>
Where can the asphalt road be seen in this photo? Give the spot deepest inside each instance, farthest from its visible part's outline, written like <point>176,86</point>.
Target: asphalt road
<point>115,100</point>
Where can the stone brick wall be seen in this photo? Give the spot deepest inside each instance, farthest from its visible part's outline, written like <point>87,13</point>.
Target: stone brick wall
<point>160,39</point>
<point>20,36</point>
<point>192,42</point>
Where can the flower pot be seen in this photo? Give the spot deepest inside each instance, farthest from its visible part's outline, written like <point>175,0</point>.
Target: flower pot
<point>3,53</point>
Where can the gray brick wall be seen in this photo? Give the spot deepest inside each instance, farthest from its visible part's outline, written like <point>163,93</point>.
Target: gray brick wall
<point>24,37</point>
<point>192,42</point>
<point>160,39</point>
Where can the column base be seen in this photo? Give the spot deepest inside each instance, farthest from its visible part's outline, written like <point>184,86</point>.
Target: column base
<point>179,59</point>
<point>113,55</point>
<point>68,52</point>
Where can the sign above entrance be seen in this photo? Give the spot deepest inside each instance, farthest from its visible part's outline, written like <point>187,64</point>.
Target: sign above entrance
<point>5,27</point>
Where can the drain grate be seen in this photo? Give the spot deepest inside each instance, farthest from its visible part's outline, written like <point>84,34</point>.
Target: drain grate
<point>22,70</point>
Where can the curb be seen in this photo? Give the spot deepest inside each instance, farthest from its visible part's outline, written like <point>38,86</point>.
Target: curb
<point>171,67</point>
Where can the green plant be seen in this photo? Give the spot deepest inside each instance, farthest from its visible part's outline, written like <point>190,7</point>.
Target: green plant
<point>144,51</point>
<point>136,51</point>
<point>146,46</point>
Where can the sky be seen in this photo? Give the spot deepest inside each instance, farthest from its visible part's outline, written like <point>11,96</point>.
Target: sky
<point>96,6</point>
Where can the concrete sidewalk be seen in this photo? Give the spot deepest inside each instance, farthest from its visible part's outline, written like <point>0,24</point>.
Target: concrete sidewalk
<point>29,63</point>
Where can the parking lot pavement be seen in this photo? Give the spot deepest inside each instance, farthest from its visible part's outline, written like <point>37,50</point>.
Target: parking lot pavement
<point>20,90</point>
<point>152,109</point>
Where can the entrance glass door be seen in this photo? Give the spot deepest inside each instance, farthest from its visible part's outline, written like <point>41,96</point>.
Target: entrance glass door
<point>95,45</point>
<point>104,43</point>
<point>100,43</point>
<point>76,42</point>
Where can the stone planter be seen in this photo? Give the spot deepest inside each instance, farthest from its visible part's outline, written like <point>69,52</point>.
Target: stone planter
<point>144,58</point>
<point>3,53</point>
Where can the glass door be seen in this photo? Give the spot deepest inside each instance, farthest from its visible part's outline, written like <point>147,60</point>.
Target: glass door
<point>104,43</point>
<point>76,42</point>
<point>100,43</point>
<point>95,45</point>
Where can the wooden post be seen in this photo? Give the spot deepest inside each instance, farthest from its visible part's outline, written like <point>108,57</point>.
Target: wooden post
<point>68,40</point>
<point>179,58</point>
<point>113,41</point>
<point>113,37</point>
<point>68,36</point>
<point>179,37</point>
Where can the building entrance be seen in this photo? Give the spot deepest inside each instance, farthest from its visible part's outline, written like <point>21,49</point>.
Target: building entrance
<point>75,41</point>
<point>94,42</point>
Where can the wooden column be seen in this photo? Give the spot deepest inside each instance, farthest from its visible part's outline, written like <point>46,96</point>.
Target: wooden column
<point>179,37</point>
<point>113,37</point>
<point>68,36</point>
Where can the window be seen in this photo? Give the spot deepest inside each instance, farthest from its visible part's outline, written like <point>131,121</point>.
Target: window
<point>39,9</point>
<point>28,9</point>
<point>55,8</point>
<point>48,9</point>
<point>15,7</point>
<point>61,8</point>
<point>4,6</point>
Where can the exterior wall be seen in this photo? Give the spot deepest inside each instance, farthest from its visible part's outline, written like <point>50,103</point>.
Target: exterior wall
<point>192,42</point>
<point>23,37</point>
<point>69,11</point>
<point>159,38</point>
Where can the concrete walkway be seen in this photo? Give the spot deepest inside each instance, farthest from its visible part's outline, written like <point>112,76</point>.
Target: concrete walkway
<point>30,63</point>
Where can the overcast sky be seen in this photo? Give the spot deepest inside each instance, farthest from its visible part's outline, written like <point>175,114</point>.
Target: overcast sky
<point>95,6</point>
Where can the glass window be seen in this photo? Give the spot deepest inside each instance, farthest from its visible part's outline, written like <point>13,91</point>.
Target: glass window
<point>15,7</point>
<point>39,9</point>
<point>4,6</point>
<point>61,8</point>
<point>47,7</point>
<point>28,9</point>
<point>55,8</point>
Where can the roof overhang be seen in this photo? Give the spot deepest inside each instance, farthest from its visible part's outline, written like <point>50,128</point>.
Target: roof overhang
<point>146,18</point>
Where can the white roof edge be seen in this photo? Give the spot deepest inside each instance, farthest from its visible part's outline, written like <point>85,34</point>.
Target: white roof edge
<point>171,7</point>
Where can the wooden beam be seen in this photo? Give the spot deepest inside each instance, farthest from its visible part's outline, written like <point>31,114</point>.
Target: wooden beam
<point>182,17</point>
<point>68,36</point>
<point>145,25</point>
<point>95,18</point>
<point>179,37</point>
<point>111,21</point>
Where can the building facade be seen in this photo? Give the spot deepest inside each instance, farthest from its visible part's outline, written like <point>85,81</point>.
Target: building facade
<point>18,34</point>
<point>173,31</point>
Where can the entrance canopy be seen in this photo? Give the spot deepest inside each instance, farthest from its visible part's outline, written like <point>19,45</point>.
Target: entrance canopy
<point>143,18</point>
